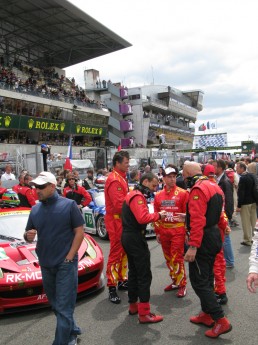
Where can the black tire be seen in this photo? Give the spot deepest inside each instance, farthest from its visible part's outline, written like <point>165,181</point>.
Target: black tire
<point>101,228</point>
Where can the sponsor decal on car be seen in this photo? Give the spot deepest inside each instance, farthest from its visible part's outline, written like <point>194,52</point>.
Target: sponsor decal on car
<point>23,277</point>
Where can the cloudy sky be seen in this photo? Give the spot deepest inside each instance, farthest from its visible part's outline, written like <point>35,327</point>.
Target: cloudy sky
<point>203,44</point>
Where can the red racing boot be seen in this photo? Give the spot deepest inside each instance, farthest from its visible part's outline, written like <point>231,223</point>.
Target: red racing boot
<point>145,316</point>
<point>171,287</point>
<point>133,308</point>
<point>202,319</point>
<point>221,326</point>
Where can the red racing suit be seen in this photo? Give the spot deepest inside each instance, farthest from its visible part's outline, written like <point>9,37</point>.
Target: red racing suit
<point>172,234</point>
<point>78,194</point>
<point>115,190</point>
<point>219,267</point>
<point>26,196</point>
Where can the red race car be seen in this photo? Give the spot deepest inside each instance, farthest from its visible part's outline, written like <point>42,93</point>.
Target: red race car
<point>20,274</point>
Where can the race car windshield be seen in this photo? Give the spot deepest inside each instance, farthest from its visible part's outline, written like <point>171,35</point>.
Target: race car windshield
<point>99,199</point>
<point>13,225</point>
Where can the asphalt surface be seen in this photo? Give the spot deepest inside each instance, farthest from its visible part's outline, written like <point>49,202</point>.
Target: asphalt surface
<point>109,324</point>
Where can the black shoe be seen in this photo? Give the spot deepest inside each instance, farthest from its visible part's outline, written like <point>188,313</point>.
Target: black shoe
<point>245,244</point>
<point>222,299</point>
<point>113,296</point>
<point>122,285</point>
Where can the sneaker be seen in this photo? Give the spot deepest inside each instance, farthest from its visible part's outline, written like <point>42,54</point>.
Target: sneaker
<point>181,292</point>
<point>133,308</point>
<point>171,287</point>
<point>245,244</point>
<point>123,285</point>
<point>203,319</point>
<point>221,326</point>
<point>73,340</point>
<point>150,318</point>
<point>113,296</point>
<point>222,298</point>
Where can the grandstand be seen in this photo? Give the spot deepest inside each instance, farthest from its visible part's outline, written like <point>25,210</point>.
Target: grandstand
<point>37,102</point>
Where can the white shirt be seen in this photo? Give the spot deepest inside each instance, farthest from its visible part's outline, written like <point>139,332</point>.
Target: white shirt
<point>7,177</point>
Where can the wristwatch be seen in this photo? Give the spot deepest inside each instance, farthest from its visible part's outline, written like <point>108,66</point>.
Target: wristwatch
<point>67,260</point>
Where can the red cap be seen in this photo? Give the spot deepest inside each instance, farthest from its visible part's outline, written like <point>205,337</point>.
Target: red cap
<point>209,170</point>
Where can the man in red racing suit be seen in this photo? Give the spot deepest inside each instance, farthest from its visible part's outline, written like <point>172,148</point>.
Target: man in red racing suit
<point>170,233</point>
<point>116,189</point>
<point>135,217</point>
<point>204,218</point>
<point>75,192</point>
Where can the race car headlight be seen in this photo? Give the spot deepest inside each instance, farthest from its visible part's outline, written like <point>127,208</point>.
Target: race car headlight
<point>1,274</point>
<point>90,250</point>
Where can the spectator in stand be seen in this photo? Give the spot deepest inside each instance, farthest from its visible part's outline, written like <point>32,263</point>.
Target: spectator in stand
<point>45,150</point>
<point>25,193</point>
<point>75,192</point>
<point>246,204</point>
<point>8,175</point>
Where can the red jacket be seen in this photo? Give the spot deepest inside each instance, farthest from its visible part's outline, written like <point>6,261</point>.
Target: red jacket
<point>116,188</point>
<point>26,196</point>
<point>204,210</point>
<point>78,194</point>
<point>173,201</point>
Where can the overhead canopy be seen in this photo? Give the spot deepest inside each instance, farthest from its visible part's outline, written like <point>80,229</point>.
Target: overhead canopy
<point>52,33</point>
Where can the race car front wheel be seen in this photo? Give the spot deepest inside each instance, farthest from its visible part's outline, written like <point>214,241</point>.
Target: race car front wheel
<point>101,228</point>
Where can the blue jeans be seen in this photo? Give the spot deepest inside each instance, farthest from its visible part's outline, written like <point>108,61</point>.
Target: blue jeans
<point>60,284</point>
<point>228,251</point>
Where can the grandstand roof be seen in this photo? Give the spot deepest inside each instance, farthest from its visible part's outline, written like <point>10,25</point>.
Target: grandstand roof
<point>52,33</point>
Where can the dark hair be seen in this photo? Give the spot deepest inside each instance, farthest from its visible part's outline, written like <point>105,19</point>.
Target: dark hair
<point>90,171</point>
<point>242,165</point>
<point>221,164</point>
<point>27,176</point>
<point>119,157</point>
<point>148,176</point>
<point>231,165</point>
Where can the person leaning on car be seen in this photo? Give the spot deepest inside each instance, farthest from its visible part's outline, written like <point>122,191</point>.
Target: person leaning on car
<point>58,224</point>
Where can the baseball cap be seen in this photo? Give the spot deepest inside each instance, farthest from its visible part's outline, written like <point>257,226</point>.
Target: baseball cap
<point>170,170</point>
<point>209,170</point>
<point>43,178</point>
<point>43,146</point>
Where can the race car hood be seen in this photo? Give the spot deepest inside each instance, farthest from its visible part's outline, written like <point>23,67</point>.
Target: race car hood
<point>15,256</point>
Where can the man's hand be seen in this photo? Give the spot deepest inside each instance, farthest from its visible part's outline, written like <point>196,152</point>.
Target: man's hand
<point>190,254</point>
<point>227,230</point>
<point>30,235</point>
<point>179,217</point>
<point>163,214</point>
<point>252,282</point>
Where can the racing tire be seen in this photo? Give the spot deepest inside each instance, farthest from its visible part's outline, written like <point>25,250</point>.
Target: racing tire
<point>101,228</point>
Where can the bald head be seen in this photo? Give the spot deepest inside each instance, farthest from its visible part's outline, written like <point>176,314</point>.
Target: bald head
<point>192,169</point>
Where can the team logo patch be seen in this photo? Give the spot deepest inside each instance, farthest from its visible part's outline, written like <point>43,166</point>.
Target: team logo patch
<point>140,202</point>
<point>119,188</point>
<point>195,197</point>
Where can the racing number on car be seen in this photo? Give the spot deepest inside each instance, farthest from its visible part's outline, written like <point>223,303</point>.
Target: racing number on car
<point>89,220</point>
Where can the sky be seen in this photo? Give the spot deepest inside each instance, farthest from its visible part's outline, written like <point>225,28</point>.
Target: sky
<point>209,45</point>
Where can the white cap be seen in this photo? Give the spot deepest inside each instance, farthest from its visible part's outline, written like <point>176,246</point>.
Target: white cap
<point>170,170</point>
<point>43,178</point>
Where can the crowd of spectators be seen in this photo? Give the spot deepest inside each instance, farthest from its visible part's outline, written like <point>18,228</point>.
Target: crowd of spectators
<point>44,82</point>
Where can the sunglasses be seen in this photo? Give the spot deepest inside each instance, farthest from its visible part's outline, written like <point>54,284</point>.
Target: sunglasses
<point>43,186</point>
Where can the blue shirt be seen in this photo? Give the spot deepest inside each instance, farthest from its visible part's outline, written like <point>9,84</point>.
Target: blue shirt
<point>55,220</point>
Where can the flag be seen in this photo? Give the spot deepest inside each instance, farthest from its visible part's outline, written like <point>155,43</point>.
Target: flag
<point>119,148</point>
<point>253,153</point>
<point>202,128</point>
<point>213,125</point>
<point>68,164</point>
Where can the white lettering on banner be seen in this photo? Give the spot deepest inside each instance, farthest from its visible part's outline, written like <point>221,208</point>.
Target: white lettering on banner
<point>27,276</point>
